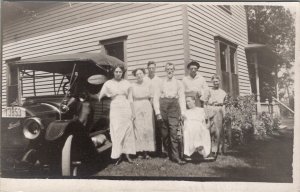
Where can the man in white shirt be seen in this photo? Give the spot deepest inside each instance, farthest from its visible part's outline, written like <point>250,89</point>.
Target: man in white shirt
<point>151,77</point>
<point>155,82</point>
<point>169,106</point>
<point>195,84</point>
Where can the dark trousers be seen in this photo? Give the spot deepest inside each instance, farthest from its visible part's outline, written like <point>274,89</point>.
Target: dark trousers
<point>158,137</point>
<point>169,126</point>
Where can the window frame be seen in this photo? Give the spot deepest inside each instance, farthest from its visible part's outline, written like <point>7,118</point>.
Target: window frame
<point>122,39</point>
<point>229,45</point>
<point>12,79</point>
<point>114,40</point>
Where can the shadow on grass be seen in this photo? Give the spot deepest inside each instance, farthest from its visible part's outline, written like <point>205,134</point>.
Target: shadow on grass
<point>84,171</point>
<point>98,164</point>
<point>267,160</point>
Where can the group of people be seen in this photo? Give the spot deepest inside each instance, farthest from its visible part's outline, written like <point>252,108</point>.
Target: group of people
<point>151,114</point>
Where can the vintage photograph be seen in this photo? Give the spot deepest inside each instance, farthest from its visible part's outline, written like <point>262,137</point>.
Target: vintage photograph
<point>148,91</point>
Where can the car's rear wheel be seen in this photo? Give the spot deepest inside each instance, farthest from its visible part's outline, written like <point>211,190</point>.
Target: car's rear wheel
<point>68,167</point>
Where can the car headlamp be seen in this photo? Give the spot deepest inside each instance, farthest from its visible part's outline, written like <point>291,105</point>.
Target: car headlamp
<point>32,128</point>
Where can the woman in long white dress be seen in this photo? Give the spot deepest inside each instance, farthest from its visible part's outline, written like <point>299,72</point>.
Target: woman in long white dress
<point>143,123</point>
<point>121,115</point>
<point>196,135</point>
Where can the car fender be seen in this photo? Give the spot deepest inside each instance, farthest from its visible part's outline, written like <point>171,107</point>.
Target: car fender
<point>56,129</point>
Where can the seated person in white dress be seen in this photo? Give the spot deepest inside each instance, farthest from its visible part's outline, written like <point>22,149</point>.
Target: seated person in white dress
<point>196,136</point>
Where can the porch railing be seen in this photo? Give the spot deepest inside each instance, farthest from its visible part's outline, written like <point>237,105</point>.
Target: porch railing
<point>282,104</point>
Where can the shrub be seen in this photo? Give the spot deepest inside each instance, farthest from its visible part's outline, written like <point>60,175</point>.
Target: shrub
<point>239,115</point>
<point>265,124</point>
<point>245,124</point>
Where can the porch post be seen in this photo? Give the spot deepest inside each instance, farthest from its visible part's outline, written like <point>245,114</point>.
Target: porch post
<point>257,83</point>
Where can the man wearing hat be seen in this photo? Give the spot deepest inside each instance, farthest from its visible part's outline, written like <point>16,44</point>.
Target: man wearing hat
<point>194,84</point>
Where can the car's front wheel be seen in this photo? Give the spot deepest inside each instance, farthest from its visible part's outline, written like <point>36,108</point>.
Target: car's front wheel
<point>68,167</point>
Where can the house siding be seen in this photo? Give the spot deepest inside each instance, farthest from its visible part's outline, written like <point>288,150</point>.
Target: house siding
<point>61,16</point>
<point>160,32</point>
<point>154,33</point>
<point>208,21</point>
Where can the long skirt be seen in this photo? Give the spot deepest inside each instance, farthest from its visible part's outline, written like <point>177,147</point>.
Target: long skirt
<point>196,134</point>
<point>143,126</point>
<point>121,128</point>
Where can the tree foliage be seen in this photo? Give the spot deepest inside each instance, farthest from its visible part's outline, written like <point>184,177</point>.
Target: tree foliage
<point>274,26</point>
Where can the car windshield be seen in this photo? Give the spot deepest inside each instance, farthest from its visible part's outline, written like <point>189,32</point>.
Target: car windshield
<point>50,75</point>
<point>39,83</point>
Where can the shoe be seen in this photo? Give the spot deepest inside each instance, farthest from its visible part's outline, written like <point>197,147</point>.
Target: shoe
<point>210,157</point>
<point>162,155</point>
<point>199,149</point>
<point>129,160</point>
<point>179,161</point>
<point>187,158</point>
<point>139,156</point>
<point>118,161</point>
<point>147,157</point>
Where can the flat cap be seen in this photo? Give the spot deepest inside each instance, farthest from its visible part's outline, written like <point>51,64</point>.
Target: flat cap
<point>195,63</point>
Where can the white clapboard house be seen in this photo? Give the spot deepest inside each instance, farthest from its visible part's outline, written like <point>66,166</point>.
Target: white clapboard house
<point>214,35</point>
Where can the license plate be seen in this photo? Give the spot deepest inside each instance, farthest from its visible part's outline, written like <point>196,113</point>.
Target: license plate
<point>13,112</point>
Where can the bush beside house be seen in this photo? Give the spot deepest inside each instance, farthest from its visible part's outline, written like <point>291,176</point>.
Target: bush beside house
<point>245,124</point>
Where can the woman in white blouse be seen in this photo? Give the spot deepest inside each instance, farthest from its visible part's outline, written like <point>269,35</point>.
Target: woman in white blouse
<point>121,115</point>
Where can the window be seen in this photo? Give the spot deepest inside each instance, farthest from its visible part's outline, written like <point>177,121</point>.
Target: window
<point>226,57</point>
<point>115,47</point>
<point>225,8</point>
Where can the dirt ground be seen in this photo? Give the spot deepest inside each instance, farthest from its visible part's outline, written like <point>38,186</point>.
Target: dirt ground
<point>261,161</point>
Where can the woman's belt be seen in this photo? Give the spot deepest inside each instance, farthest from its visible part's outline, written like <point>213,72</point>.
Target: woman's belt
<point>119,97</point>
<point>168,97</point>
<point>216,104</point>
<point>141,99</point>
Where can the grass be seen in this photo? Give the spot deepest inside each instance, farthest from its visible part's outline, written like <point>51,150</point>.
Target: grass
<point>267,160</point>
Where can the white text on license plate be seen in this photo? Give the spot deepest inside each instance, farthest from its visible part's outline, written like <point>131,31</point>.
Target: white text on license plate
<point>13,112</point>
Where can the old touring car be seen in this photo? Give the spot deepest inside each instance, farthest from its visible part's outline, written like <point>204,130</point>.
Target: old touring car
<point>51,119</point>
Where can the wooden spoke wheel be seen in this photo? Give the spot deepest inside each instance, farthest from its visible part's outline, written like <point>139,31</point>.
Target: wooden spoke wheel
<point>68,166</point>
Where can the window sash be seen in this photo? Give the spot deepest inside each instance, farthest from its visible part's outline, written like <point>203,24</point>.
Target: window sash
<point>227,65</point>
